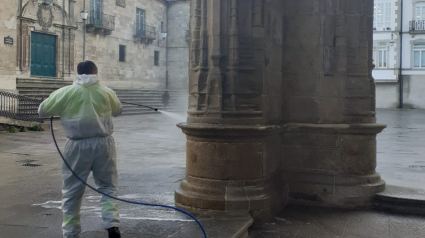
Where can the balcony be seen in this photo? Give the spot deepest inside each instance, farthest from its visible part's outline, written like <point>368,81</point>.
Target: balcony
<point>100,23</point>
<point>417,27</point>
<point>146,34</point>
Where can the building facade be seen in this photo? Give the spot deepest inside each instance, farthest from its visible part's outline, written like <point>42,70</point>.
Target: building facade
<point>399,53</point>
<point>127,39</point>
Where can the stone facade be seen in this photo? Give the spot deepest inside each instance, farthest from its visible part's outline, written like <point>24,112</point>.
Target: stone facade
<point>392,52</point>
<point>61,19</point>
<point>280,109</point>
<point>178,44</point>
<point>138,70</point>
<point>8,27</point>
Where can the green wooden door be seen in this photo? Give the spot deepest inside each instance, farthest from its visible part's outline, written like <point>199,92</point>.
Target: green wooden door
<point>43,55</point>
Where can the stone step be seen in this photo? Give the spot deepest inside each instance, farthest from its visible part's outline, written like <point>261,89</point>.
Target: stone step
<point>401,200</point>
<point>36,90</point>
<point>42,80</point>
<point>34,86</point>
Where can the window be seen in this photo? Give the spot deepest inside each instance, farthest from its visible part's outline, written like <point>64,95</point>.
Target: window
<point>382,15</point>
<point>156,58</point>
<point>420,11</point>
<point>96,10</point>
<point>381,56</point>
<point>140,22</point>
<point>419,56</point>
<point>122,53</point>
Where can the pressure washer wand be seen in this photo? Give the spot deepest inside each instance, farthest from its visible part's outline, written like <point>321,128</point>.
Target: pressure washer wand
<point>140,105</point>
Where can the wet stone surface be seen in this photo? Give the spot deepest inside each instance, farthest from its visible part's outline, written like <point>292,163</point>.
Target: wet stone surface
<point>151,152</point>
<point>314,222</point>
<point>401,148</point>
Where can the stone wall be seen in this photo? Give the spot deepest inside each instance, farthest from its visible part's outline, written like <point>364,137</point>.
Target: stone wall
<point>8,21</point>
<point>138,70</point>
<point>178,47</point>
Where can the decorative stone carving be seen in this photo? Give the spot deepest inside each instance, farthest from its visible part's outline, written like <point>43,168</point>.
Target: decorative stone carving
<point>121,3</point>
<point>293,97</point>
<point>45,16</point>
<point>233,144</point>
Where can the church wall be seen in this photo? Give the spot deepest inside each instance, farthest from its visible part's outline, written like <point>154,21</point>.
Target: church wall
<point>8,14</point>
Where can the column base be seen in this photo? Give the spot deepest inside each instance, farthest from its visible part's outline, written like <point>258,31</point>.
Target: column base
<point>264,199</point>
<point>333,191</point>
<point>331,165</point>
<point>233,168</point>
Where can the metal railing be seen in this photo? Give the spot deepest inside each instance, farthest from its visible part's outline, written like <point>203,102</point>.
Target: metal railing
<point>19,107</point>
<point>417,25</point>
<point>146,31</point>
<point>99,19</point>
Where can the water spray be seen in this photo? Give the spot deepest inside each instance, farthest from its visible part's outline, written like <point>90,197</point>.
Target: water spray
<point>116,198</point>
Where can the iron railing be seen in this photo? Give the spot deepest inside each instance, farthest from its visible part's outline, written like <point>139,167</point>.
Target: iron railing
<point>146,31</point>
<point>99,19</point>
<point>417,26</point>
<point>19,107</point>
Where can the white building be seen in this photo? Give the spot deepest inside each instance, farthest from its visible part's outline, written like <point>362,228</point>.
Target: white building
<point>399,37</point>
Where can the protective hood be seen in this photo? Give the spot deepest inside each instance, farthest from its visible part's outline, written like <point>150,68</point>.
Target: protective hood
<point>86,80</point>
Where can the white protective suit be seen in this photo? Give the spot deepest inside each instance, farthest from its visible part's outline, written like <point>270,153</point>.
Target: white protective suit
<point>85,109</point>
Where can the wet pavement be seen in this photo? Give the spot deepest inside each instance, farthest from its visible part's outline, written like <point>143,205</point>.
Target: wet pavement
<point>315,222</point>
<point>401,148</point>
<point>151,152</point>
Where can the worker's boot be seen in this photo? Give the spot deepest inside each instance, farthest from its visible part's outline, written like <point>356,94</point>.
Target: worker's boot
<point>114,232</point>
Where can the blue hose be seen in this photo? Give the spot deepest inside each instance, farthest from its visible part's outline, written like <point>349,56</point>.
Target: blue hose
<point>119,199</point>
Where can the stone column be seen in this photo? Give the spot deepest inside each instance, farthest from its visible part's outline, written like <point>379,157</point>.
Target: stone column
<point>329,141</point>
<point>233,129</point>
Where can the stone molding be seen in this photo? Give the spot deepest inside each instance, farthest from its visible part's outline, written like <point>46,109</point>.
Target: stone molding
<point>362,129</point>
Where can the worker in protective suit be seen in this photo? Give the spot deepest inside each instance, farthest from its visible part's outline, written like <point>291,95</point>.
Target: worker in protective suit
<point>85,109</point>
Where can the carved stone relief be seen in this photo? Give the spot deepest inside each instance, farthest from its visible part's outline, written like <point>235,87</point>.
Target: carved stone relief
<point>121,3</point>
<point>45,16</point>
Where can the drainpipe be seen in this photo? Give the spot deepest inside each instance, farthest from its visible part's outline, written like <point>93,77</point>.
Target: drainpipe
<point>63,39</point>
<point>400,72</point>
<point>19,48</point>
<point>84,32</point>
<point>166,47</point>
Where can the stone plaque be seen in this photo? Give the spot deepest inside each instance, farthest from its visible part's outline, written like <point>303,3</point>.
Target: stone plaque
<point>8,40</point>
<point>121,3</point>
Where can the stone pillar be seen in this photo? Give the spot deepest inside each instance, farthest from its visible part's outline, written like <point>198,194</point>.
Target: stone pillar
<point>329,139</point>
<point>233,129</point>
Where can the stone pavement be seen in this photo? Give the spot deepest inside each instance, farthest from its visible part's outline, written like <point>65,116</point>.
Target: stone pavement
<point>316,222</point>
<point>151,152</point>
<point>401,148</point>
